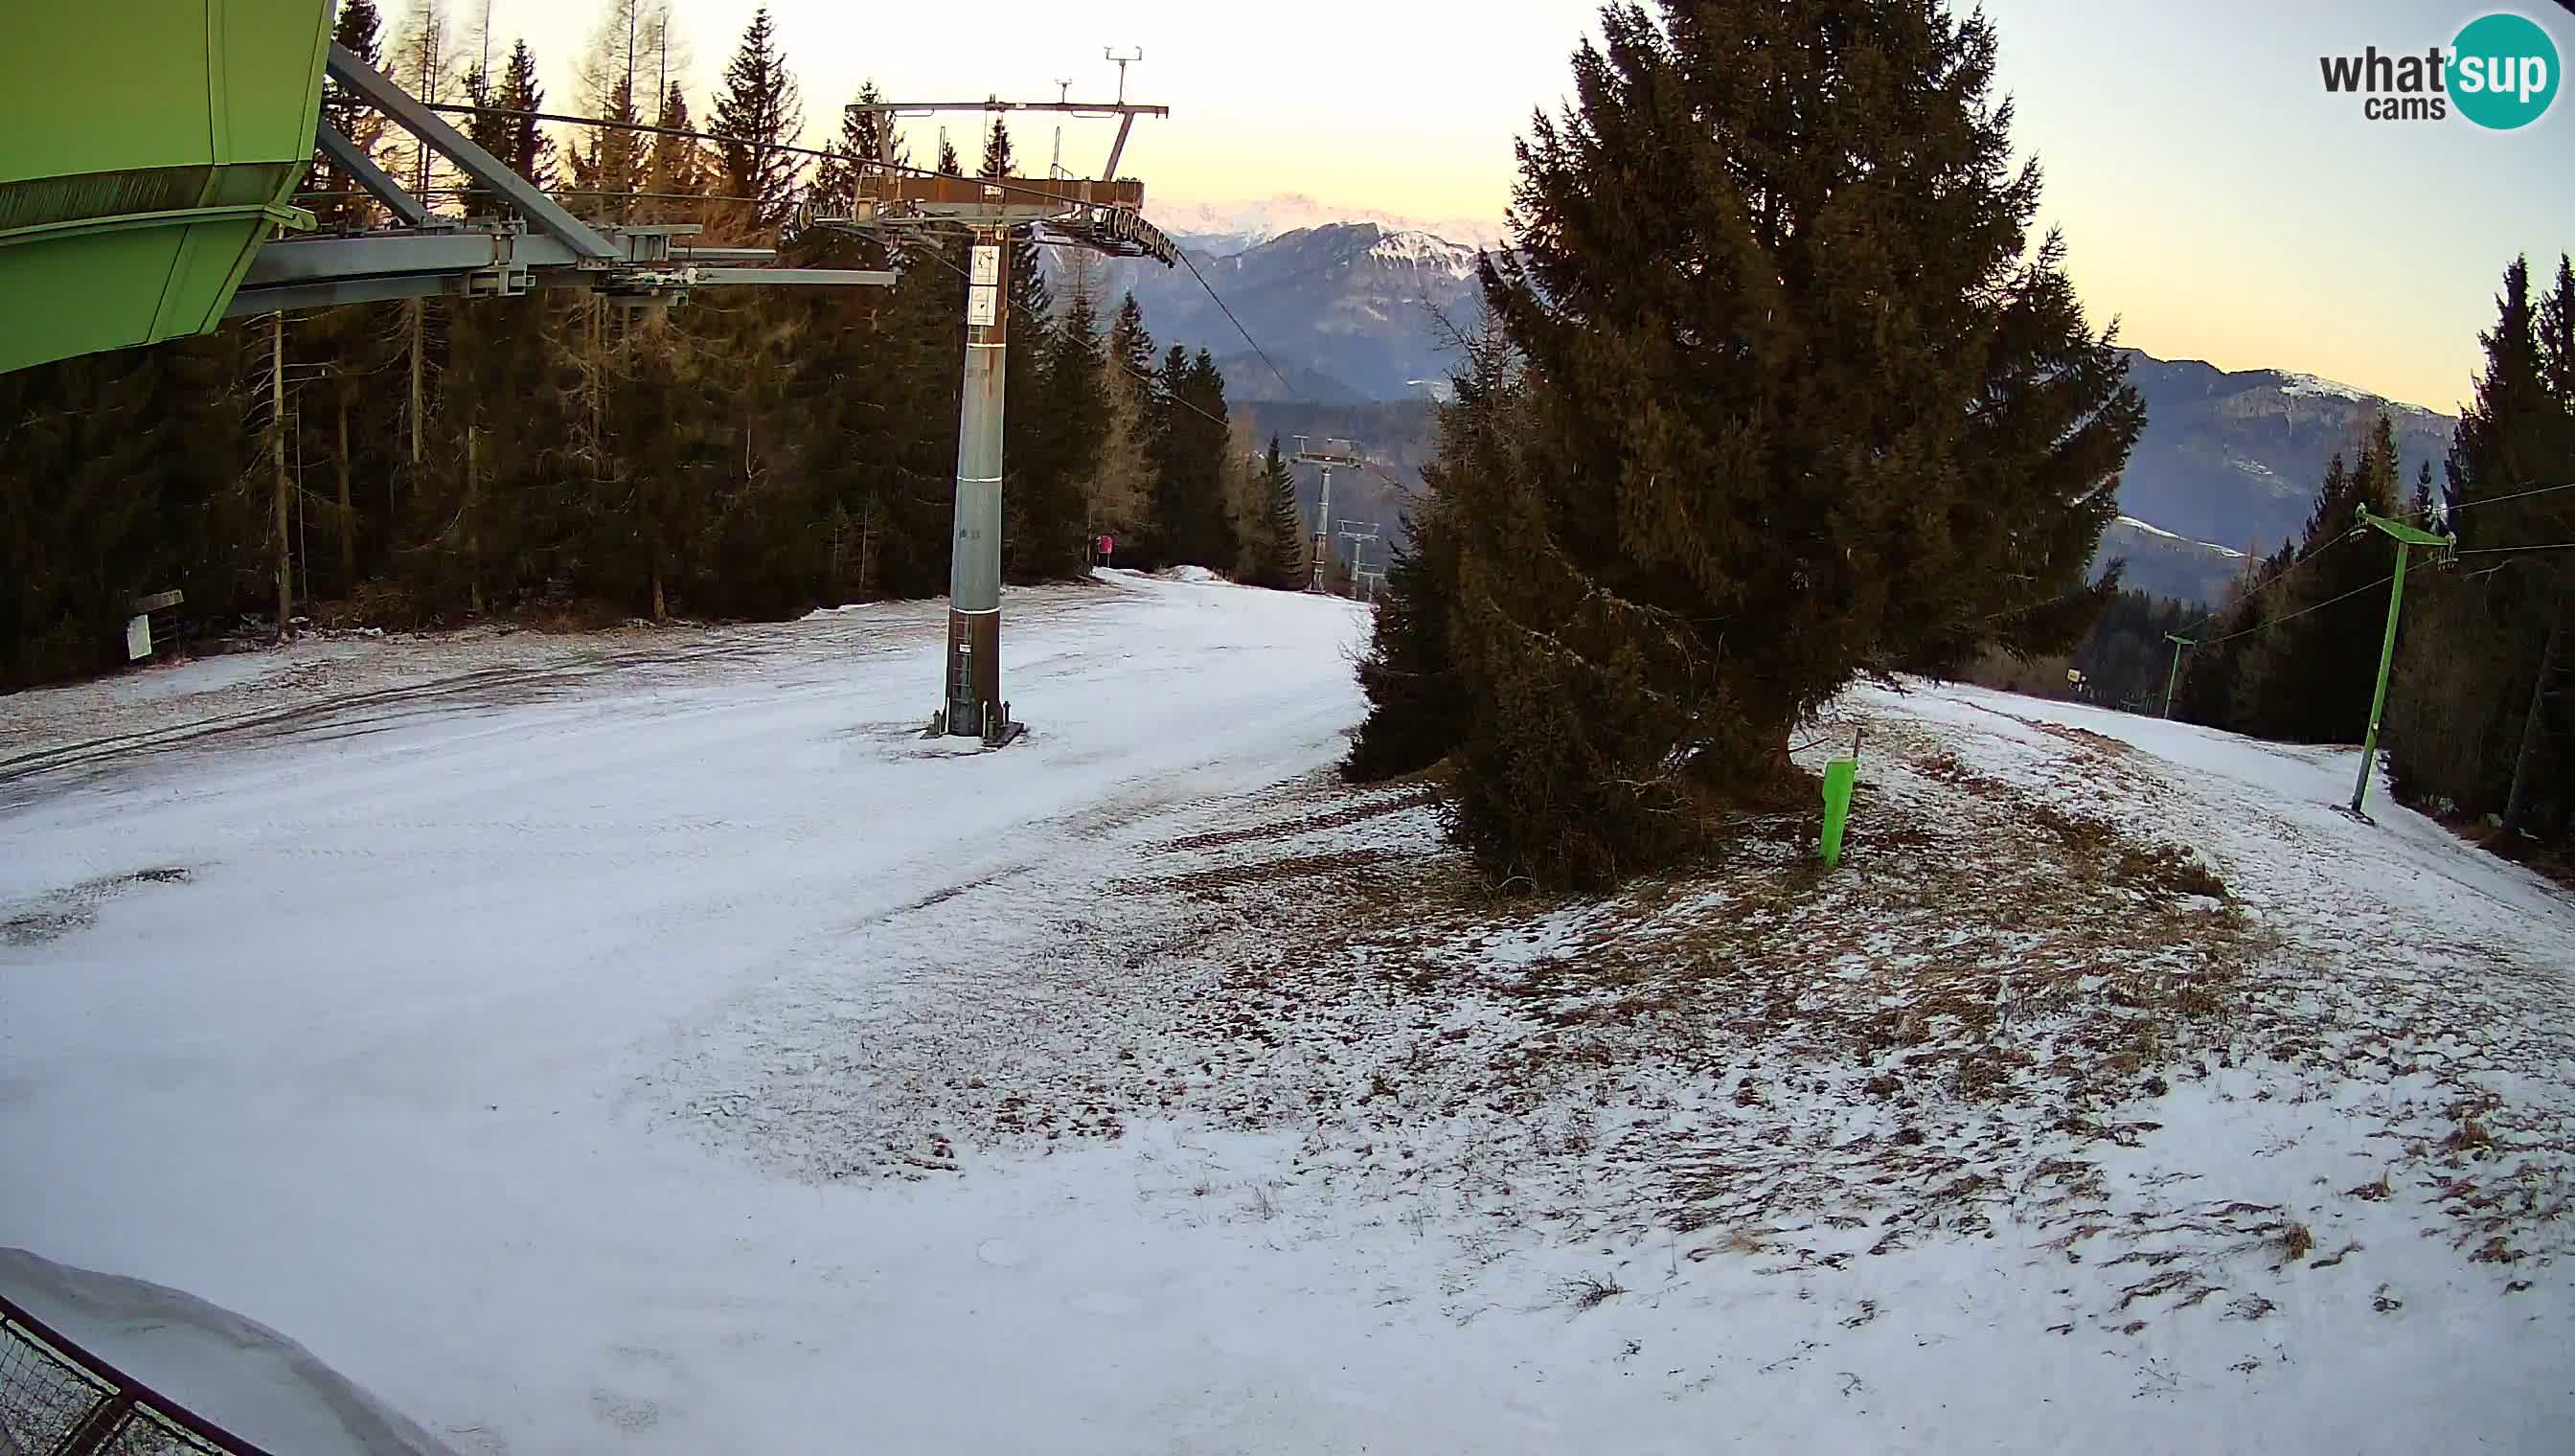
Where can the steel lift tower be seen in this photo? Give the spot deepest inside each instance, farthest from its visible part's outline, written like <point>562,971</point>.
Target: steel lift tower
<point>1332,454</point>
<point>1103,214</point>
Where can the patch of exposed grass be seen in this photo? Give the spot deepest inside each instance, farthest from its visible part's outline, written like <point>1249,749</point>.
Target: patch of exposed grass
<point>1590,1291</point>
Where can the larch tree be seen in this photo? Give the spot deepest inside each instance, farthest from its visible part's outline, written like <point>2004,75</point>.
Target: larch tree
<point>425,63</point>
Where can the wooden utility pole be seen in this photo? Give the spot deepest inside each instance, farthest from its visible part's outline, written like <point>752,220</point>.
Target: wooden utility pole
<point>347,513</point>
<point>277,451</point>
<point>419,314</point>
<point>474,526</point>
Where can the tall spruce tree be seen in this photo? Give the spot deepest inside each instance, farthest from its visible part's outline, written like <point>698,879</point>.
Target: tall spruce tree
<point>676,168</point>
<point>1073,409</point>
<point>1125,494</point>
<point>759,113</point>
<point>1800,402</point>
<point>500,127</point>
<point>526,147</point>
<point>850,155</point>
<point>1280,529</point>
<point>2212,671</point>
<point>2478,719</point>
<point>607,166</point>
<point>1193,515</point>
<point>1041,495</point>
<point>2310,678</point>
<point>341,206</point>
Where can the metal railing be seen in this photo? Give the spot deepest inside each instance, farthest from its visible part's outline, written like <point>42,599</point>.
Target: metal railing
<point>57,1399</point>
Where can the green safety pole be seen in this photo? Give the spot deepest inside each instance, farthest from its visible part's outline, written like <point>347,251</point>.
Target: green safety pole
<point>2173,678</point>
<point>2407,537</point>
<point>1839,774</point>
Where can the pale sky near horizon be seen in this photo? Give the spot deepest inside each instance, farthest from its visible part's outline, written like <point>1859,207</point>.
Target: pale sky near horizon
<point>2214,198</point>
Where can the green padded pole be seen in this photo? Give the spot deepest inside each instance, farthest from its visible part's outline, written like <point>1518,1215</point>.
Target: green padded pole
<point>1839,776</point>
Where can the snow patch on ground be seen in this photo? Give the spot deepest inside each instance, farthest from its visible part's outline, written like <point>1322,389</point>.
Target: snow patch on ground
<point>658,1046</point>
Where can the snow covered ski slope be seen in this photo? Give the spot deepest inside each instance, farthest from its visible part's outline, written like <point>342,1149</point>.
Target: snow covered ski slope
<point>647,1044</point>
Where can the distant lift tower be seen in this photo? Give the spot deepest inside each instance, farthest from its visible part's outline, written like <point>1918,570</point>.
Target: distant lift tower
<point>1358,534</point>
<point>1105,216</point>
<point>1332,454</point>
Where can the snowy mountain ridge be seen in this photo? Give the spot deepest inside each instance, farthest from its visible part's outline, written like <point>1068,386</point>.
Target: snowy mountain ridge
<point>1423,250</point>
<point>1228,228</point>
<point>2296,384</point>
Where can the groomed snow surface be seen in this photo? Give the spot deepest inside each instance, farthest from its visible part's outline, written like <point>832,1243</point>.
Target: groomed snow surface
<point>646,1042</point>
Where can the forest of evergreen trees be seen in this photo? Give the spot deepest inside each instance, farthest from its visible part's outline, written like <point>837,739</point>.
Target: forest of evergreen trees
<point>2477,722</point>
<point>751,452</point>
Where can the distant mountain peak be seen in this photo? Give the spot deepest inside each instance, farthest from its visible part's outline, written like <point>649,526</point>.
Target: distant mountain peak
<point>2289,382</point>
<point>1233,227</point>
<point>2293,382</point>
<point>1423,250</point>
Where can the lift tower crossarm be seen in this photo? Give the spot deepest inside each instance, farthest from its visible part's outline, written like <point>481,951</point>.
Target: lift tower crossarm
<point>373,180</point>
<point>541,211</point>
<point>1125,111</point>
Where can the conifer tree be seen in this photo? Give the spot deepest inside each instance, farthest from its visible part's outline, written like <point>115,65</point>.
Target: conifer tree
<point>850,155</point>
<point>2310,678</point>
<point>676,169</point>
<point>341,207</point>
<point>607,163</point>
<point>759,113</point>
<point>2478,719</point>
<point>1192,516</point>
<point>1072,409</point>
<point>1800,402</point>
<point>1281,530</point>
<point>1122,491</point>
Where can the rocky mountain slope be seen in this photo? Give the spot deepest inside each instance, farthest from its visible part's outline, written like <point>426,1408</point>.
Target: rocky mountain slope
<point>1350,311</point>
<point>2235,457</point>
<point>1358,314</point>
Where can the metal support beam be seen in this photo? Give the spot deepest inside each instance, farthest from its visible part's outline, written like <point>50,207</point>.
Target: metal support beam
<point>289,298</point>
<point>1117,148</point>
<point>541,211</point>
<point>2172,678</point>
<point>384,254</point>
<point>974,688</point>
<point>991,103</point>
<point>375,182</point>
<point>792,276</point>
<point>2407,537</point>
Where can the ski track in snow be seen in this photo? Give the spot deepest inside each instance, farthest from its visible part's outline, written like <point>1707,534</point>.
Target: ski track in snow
<point>649,1044</point>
